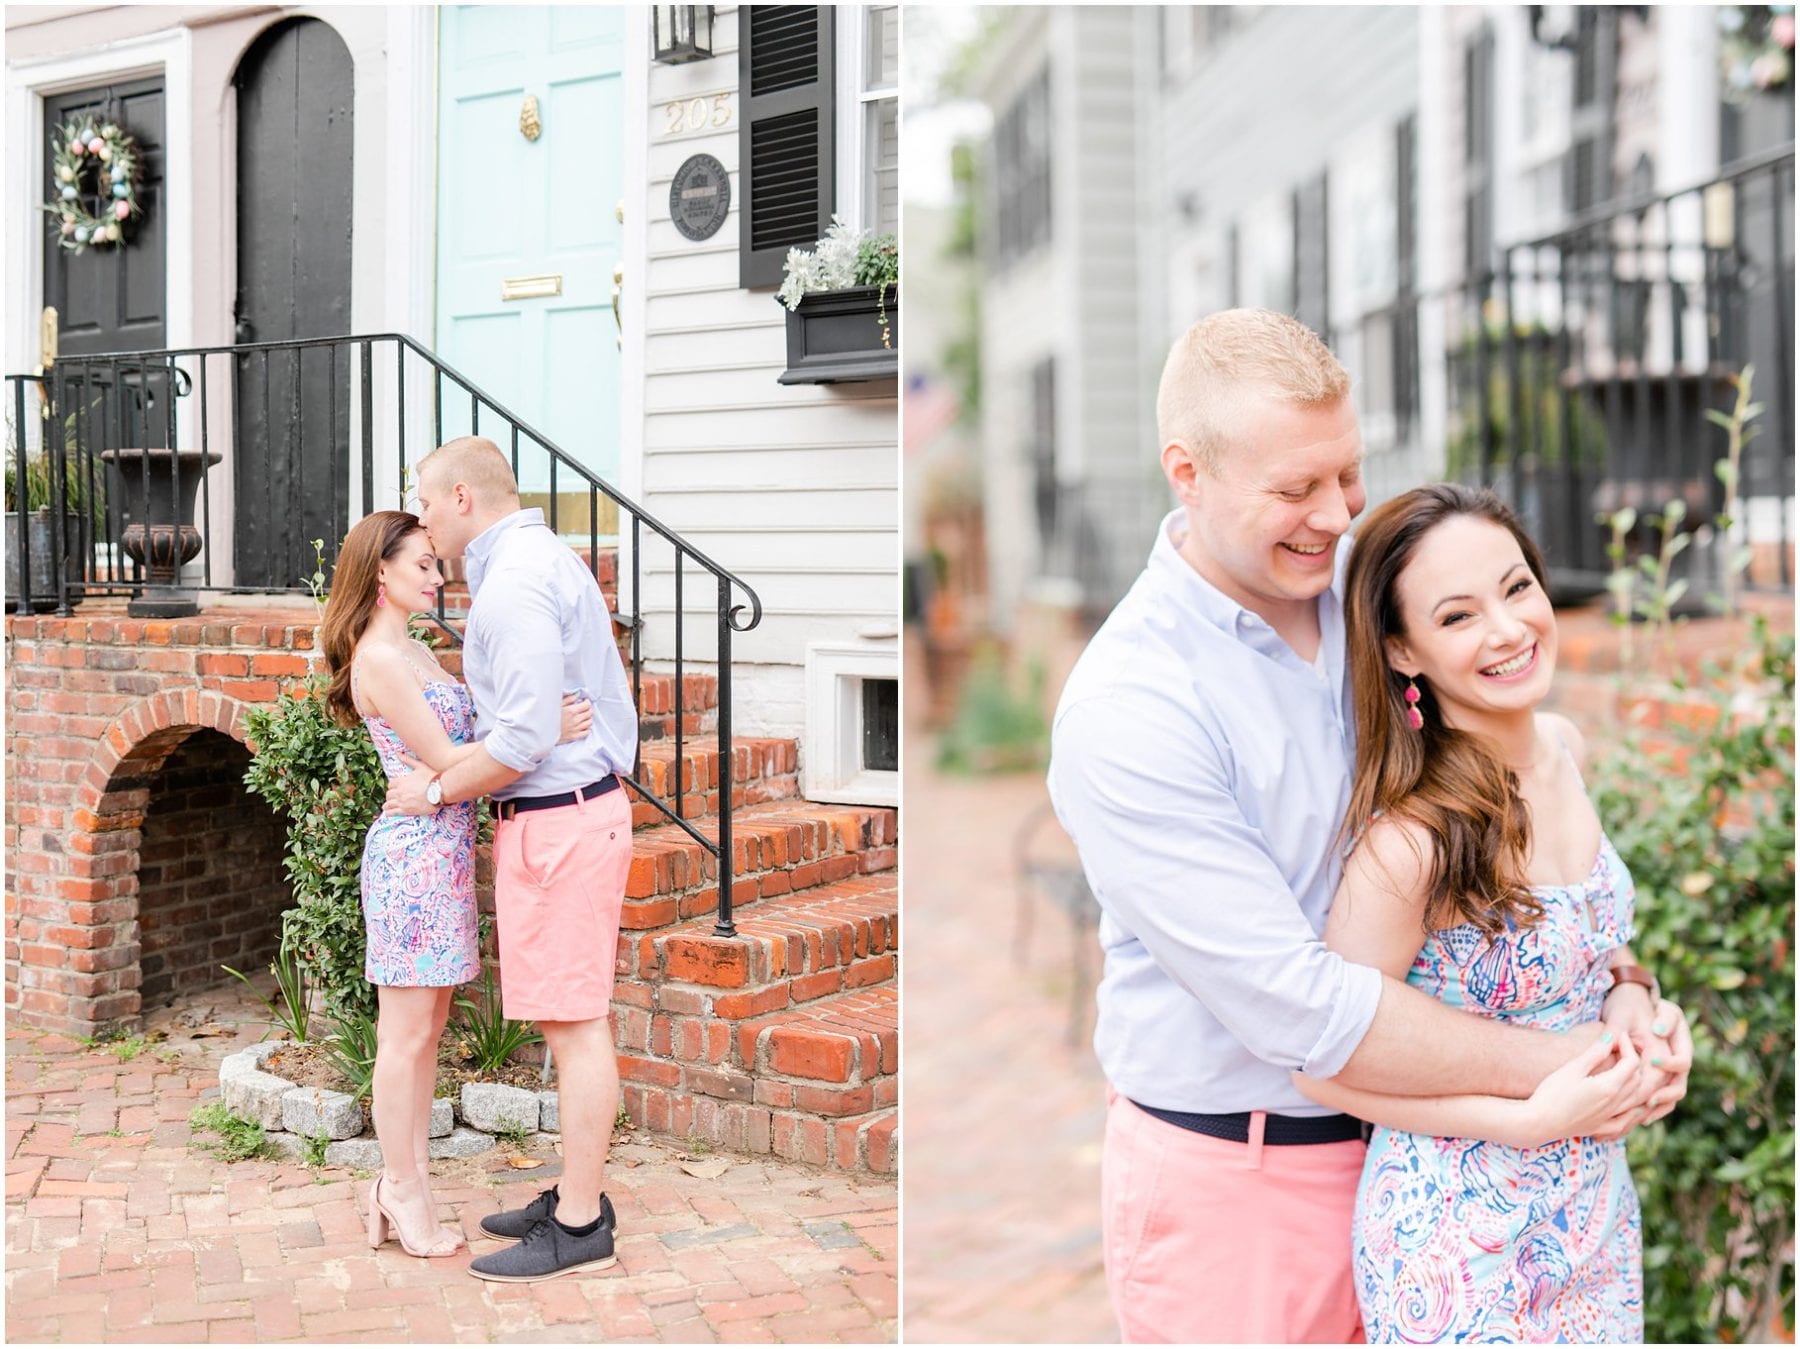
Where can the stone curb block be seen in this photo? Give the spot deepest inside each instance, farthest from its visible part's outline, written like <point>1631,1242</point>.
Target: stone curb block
<point>495,1108</point>
<point>250,1093</point>
<point>355,1152</point>
<point>460,1143</point>
<point>443,1117</point>
<point>311,1111</point>
<point>549,1119</point>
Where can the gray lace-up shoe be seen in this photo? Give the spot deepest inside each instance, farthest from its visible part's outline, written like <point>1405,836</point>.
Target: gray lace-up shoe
<point>514,1223</point>
<point>547,1252</point>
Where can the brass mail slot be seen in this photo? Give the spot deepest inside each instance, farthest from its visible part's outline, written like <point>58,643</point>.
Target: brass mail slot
<point>530,287</point>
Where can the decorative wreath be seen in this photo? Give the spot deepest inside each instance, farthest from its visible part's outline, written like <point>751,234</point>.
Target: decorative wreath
<point>96,175</point>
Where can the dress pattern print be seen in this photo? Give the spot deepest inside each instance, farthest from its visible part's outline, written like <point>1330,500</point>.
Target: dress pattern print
<point>418,871</point>
<point>1458,1240</point>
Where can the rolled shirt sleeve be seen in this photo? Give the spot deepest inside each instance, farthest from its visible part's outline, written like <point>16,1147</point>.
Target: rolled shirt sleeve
<point>1147,797</point>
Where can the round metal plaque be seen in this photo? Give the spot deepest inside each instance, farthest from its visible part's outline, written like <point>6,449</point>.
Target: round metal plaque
<point>699,197</point>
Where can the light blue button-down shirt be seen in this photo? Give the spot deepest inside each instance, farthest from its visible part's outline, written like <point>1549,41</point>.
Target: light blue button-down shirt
<point>1202,769</point>
<point>538,627</point>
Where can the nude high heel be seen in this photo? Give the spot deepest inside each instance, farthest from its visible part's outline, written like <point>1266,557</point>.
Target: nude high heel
<point>381,1222</point>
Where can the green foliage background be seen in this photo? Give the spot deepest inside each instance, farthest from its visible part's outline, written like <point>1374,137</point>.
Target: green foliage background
<point>327,781</point>
<point>1710,844</point>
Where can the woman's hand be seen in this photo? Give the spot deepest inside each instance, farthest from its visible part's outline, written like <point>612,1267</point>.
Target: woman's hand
<point>1659,1032</point>
<point>1596,1094</point>
<point>577,717</point>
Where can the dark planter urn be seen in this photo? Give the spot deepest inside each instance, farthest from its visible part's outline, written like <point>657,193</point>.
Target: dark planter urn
<point>835,336</point>
<point>159,486</point>
<point>38,549</point>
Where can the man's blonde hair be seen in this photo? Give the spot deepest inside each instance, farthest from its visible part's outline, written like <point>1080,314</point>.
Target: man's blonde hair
<point>1224,365</point>
<point>478,463</point>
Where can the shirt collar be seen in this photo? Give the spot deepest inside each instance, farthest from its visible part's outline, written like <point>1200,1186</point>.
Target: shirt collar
<point>480,549</point>
<point>1177,579</point>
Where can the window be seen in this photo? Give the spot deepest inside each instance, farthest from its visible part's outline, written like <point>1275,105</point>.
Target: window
<point>869,107</point>
<point>1021,170</point>
<point>852,744</point>
<point>1312,272</point>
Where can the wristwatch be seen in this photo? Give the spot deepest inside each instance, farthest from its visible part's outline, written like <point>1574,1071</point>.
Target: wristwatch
<point>434,795</point>
<point>1636,974</point>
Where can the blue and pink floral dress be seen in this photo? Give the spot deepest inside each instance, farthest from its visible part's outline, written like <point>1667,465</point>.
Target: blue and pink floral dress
<point>1457,1240</point>
<point>418,871</point>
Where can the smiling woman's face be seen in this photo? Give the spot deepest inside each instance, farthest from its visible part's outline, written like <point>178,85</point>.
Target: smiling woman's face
<point>411,575</point>
<point>1479,628</point>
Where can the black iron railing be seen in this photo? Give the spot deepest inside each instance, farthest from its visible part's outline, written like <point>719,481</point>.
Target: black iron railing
<point>1583,367</point>
<point>317,434</point>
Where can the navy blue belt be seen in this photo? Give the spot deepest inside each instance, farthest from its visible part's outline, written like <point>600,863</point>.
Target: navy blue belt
<point>1278,1130</point>
<point>513,805</point>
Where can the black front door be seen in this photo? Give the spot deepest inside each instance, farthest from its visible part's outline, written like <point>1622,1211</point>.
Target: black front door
<point>294,91</point>
<point>112,298</point>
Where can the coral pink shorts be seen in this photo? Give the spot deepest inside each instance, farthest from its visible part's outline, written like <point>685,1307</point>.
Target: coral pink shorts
<point>559,883</point>
<point>1214,1242</point>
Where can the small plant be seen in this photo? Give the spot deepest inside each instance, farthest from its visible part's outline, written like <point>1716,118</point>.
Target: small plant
<point>845,257</point>
<point>129,1049</point>
<point>350,1048</point>
<point>106,1034</point>
<point>239,1139</point>
<point>1738,434</point>
<point>513,1136</point>
<point>698,1146</point>
<point>622,1120</point>
<point>291,1014</point>
<point>312,1149</point>
<point>492,1038</point>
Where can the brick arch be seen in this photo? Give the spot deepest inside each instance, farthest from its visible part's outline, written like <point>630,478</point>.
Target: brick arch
<point>102,978</point>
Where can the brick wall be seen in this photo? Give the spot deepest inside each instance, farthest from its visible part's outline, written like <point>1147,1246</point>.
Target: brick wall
<point>210,883</point>
<point>98,706</point>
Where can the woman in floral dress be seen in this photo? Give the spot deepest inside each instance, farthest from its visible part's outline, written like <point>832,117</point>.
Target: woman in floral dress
<point>418,872</point>
<point>1481,874</point>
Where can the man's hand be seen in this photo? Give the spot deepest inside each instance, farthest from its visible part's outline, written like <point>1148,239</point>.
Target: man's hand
<point>406,795</point>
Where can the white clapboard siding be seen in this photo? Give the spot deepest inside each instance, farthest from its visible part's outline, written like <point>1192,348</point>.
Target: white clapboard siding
<point>794,488</point>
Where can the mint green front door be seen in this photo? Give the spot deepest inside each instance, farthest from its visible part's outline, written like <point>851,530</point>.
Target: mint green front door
<point>527,232</point>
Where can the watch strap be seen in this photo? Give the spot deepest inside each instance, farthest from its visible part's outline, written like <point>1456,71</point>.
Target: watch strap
<point>1636,974</point>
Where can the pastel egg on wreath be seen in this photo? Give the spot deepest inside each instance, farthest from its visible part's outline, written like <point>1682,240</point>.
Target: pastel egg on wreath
<point>68,226</point>
<point>118,173</point>
<point>77,148</point>
<point>96,145</point>
<point>121,209</point>
<point>65,174</point>
<point>68,194</point>
<point>81,234</point>
<point>120,190</point>
<point>105,152</point>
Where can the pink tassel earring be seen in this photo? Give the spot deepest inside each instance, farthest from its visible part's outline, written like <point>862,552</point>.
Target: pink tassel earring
<point>381,596</point>
<point>1414,717</point>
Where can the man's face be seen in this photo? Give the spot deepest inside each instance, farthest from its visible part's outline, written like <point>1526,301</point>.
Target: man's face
<point>1265,524</point>
<point>438,513</point>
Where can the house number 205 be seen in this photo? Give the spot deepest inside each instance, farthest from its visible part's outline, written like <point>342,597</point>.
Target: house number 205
<point>697,114</point>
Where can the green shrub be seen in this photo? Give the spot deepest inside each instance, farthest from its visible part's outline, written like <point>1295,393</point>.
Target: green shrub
<point>327,780</point>
<point>492,1038</point>
<point>997,728</point>
<point>1708,833</point>
<point>351,1046</point>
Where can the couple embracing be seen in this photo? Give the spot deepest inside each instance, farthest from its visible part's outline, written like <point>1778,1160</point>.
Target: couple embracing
<point>545,726</point>
<point>1349,873</point>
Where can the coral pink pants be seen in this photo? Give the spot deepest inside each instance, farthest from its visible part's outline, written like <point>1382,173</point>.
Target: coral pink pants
<point>559,885</point>
<point>1214,1242</point>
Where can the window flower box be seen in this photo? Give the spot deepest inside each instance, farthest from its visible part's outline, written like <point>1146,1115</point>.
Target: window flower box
<point>837,336</point>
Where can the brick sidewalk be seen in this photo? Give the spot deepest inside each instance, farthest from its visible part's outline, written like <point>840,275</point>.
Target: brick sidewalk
<point>116,1229</point>
<point>1003,1114</point>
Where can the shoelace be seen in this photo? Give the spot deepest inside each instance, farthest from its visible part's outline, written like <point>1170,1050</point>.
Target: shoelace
<point>538,1230</point>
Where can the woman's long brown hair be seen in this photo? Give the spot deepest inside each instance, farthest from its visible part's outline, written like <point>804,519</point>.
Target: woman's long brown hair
<point>1449,782</point>
<point>372,540</point>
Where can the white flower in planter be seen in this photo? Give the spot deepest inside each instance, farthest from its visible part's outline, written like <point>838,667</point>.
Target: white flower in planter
<point>830,265</point>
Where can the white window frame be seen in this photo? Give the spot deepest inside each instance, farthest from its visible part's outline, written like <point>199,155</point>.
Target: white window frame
<point>835,672</point>
<point>29,81</point>
<point>855,183</point>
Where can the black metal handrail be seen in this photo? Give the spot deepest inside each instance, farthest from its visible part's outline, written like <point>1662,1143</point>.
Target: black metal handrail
<point>295,400</point>
<point>1589,357</point>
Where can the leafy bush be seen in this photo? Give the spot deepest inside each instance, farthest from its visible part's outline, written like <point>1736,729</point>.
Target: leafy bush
<point>997,729</point>
<point>328,782</point>
<point>491,1037</point>
<point>1708,832</point>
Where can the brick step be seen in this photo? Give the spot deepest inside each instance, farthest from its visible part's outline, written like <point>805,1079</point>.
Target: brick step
<point>789,949</point>
<point>777,848</point>
<point>816,1082</point>
<point>762,770</point>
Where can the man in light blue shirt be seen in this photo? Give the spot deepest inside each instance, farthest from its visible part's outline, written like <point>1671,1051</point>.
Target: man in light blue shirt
<point>538,627</point>
<point>1201,762</point>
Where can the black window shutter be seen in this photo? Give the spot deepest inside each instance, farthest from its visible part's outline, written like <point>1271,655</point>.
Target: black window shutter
<point>786,145</point>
